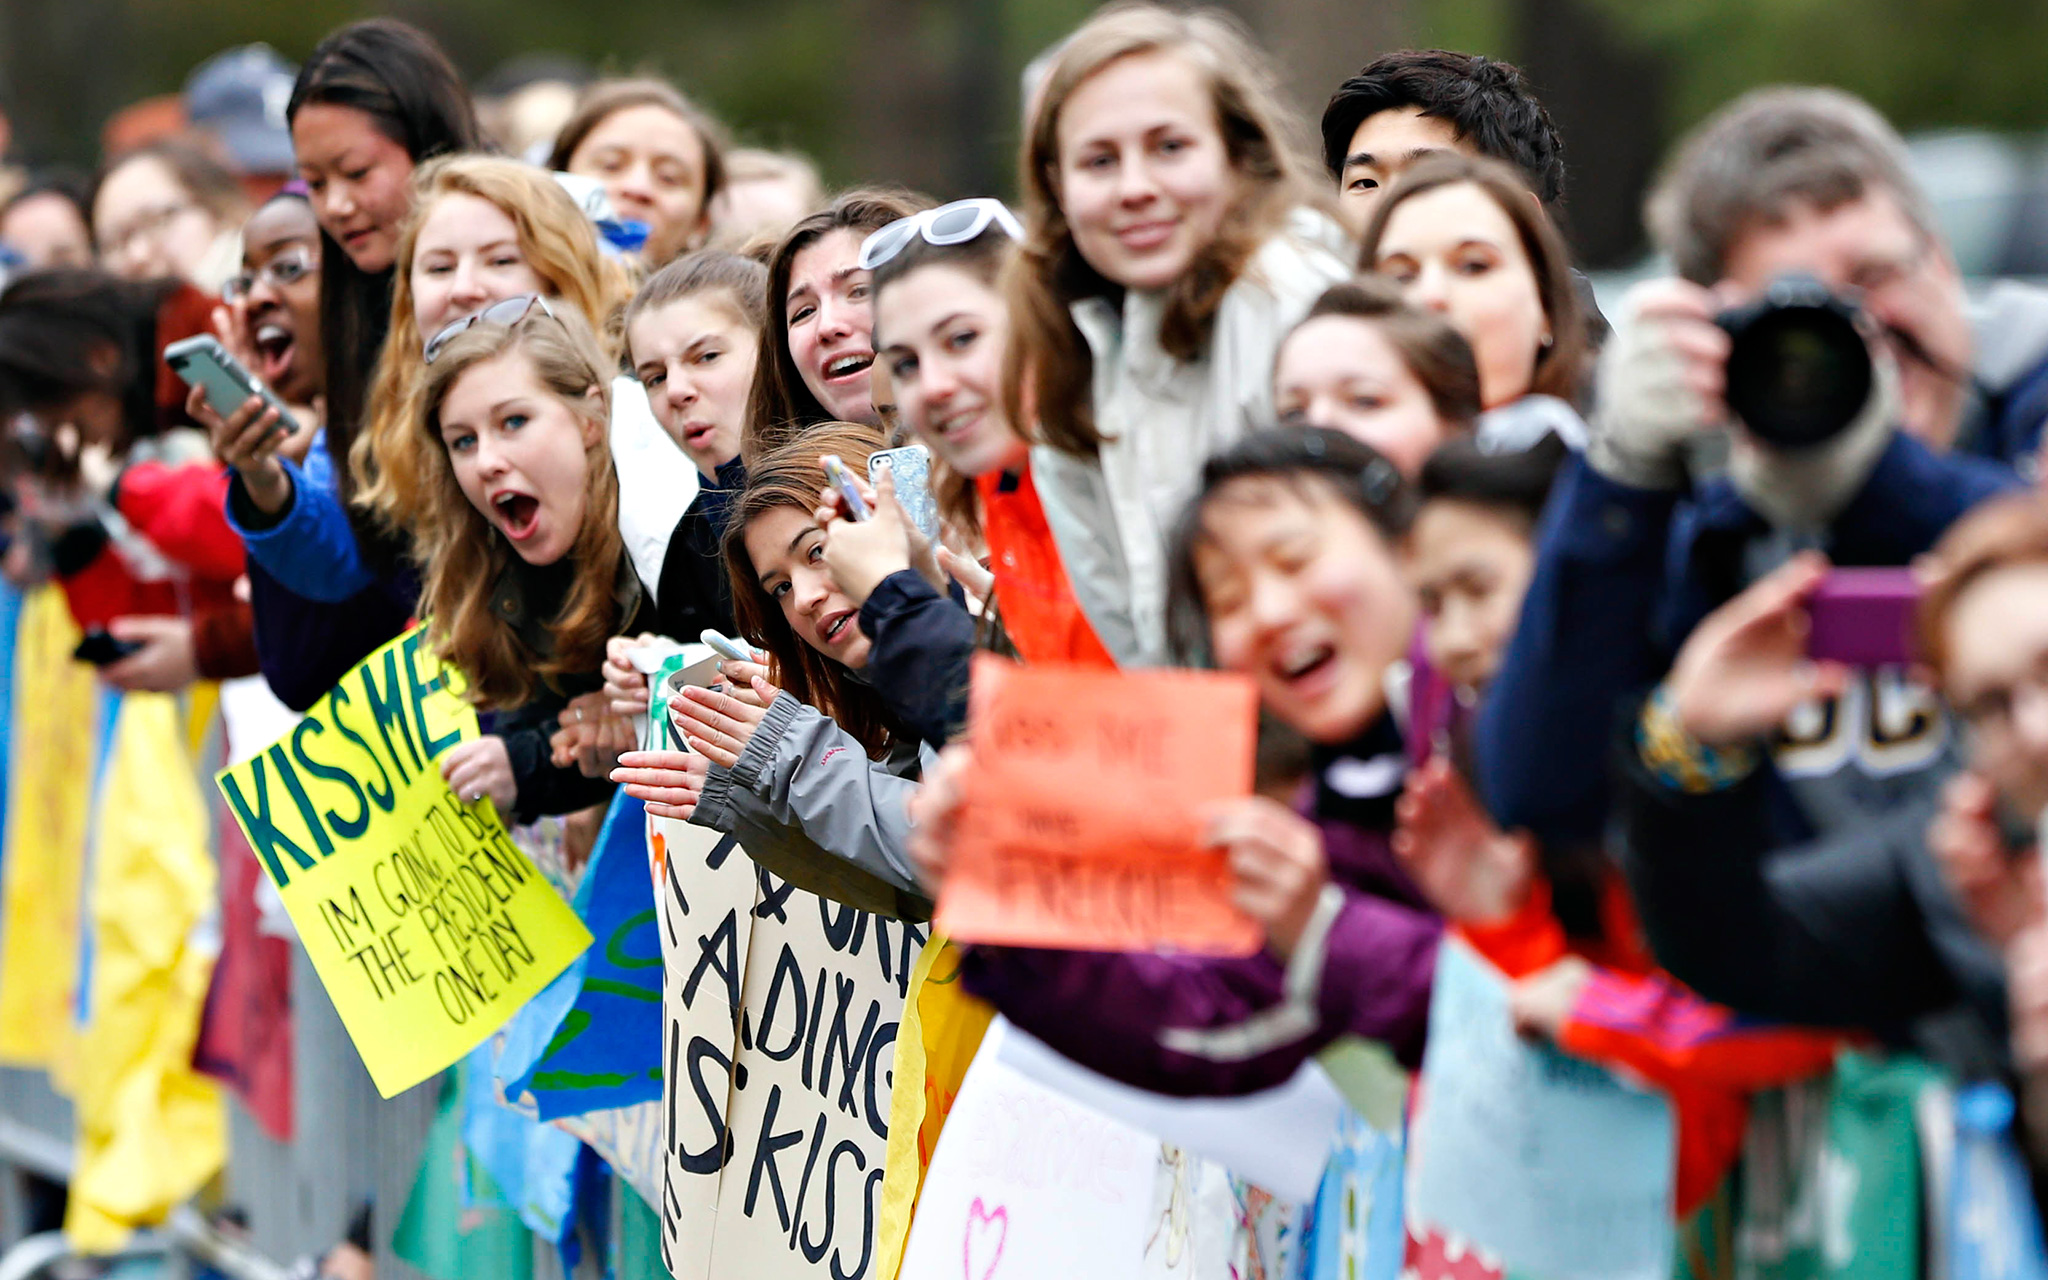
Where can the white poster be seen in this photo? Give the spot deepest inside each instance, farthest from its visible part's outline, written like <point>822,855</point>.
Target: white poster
<point>780,1013</point>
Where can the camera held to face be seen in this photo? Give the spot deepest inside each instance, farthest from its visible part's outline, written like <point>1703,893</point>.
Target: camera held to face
<point>1799,370</point>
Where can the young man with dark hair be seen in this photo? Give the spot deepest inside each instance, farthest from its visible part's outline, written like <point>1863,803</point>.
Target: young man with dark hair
<point>1407,104</point>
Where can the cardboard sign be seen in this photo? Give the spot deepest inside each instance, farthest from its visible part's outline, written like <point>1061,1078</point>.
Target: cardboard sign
<point>782,1012</point>
<point>427,926</point>
<point>1084,810</point>
<point>1545,1160</point>
<point>1029,1182</point>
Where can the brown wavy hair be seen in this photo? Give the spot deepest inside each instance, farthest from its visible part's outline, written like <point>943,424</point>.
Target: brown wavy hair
<point>1437,354</point>
<point>1563,369</point>
<point>789,476</point>
<point>462,557</point>
<point>559,243</point>
<point>782,405</point>
<point>1047,366</point>
<point>2004,533</point>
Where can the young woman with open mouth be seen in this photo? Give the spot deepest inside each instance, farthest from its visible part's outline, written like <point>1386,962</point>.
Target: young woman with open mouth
<point>814,359</point>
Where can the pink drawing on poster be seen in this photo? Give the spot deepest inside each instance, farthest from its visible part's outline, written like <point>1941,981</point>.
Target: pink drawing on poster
<point>987,1229</point>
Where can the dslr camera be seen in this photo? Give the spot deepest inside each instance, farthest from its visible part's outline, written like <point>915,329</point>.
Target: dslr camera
<point>1799,370</point>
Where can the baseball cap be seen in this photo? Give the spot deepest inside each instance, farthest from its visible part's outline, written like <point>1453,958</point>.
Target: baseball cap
<point>240,96</point>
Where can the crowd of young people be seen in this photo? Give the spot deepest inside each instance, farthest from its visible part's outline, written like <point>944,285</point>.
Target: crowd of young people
<point>1526,604</point>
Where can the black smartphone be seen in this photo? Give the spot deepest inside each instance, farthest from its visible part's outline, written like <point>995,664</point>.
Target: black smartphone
<point>2018,831</point>
<point>101,648</point>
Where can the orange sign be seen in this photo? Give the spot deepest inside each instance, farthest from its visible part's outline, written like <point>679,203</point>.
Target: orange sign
<point>1083,814</point>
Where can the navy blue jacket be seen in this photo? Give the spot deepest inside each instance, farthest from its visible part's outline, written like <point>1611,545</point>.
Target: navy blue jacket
<point>1622,577</point>
<point>920,654</point>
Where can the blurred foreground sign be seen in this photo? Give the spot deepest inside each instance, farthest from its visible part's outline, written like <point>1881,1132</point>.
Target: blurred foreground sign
<point>1547,1161</point>
<point>1085,805</point>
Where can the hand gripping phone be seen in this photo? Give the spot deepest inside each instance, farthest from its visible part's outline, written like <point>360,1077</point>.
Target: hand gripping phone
<point>842,480</point>
<point>103,649</point>
<point>912,467</point>
<point>202,362</point>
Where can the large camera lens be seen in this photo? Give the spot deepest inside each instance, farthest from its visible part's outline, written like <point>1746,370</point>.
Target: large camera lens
<point>1798,369</point>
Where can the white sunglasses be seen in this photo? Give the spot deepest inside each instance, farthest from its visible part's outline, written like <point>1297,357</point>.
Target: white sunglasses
<point>949,224</point>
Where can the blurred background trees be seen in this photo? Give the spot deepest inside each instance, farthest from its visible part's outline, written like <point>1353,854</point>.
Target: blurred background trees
<point>925,91</point>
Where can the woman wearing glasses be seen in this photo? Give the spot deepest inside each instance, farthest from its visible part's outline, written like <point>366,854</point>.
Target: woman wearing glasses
<point>168,210</point>
<point>271,318</point>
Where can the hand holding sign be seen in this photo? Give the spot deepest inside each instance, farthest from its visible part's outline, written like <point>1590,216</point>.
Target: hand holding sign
<point>1083,823</point>
<point>480,769</point>
<point>669,782</point>
<point>1277,860</point>
<point>427,925</point>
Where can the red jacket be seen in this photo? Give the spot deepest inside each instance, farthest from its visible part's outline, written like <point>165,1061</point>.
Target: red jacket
<point>1039,611</point>
<point>179,510</point>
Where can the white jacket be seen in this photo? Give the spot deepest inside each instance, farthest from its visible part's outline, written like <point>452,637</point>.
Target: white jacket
<point>1161,418</point>
<point>657,481</point>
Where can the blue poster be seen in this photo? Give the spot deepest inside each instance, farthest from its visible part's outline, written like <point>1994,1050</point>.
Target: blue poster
<point>1543,1159</point>
<point>592,1040</point>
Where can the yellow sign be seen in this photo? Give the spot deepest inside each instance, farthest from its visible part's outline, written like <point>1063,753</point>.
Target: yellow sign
<point>428,927</point>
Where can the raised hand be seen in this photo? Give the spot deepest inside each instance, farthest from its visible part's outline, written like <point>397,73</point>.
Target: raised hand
<point>625,688</point>
<point>481,769</point>
<point>1471,869</point>
<point>1277,859</point>
<point>1745,667</point>
<point>1999,886</point>
<point>718,724</point>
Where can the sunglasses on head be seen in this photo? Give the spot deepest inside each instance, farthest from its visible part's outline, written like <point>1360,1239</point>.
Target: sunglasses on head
<point>955,223</point>
<point>508,313</point>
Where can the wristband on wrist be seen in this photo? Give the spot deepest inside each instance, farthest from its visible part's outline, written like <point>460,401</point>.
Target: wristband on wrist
<point>1679,760</point>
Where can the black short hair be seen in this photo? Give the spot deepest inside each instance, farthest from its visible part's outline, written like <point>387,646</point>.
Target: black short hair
<point>1515,483</point>
<point>1349,469</point>
<point>1487,102</point>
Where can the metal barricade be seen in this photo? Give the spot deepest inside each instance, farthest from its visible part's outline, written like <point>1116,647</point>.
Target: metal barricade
<point>349,1145</point>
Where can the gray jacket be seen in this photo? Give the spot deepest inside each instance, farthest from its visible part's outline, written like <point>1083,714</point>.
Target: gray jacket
<point>809,806</point>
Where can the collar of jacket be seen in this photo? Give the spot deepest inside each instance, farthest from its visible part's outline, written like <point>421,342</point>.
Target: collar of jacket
<point>1377,749</point>
<point>530,598</point>
<point>1124,339</point>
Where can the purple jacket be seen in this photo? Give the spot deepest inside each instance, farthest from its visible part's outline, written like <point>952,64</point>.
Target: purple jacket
<point>1192,1025</point>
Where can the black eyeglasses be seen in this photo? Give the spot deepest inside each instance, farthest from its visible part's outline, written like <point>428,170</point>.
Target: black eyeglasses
<point>508,313</point>
<point>281,272</point>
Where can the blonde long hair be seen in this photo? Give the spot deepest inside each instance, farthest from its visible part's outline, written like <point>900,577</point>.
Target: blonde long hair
<point>560,245</point>
<point>462,556</point>
<point>1047,364</point>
